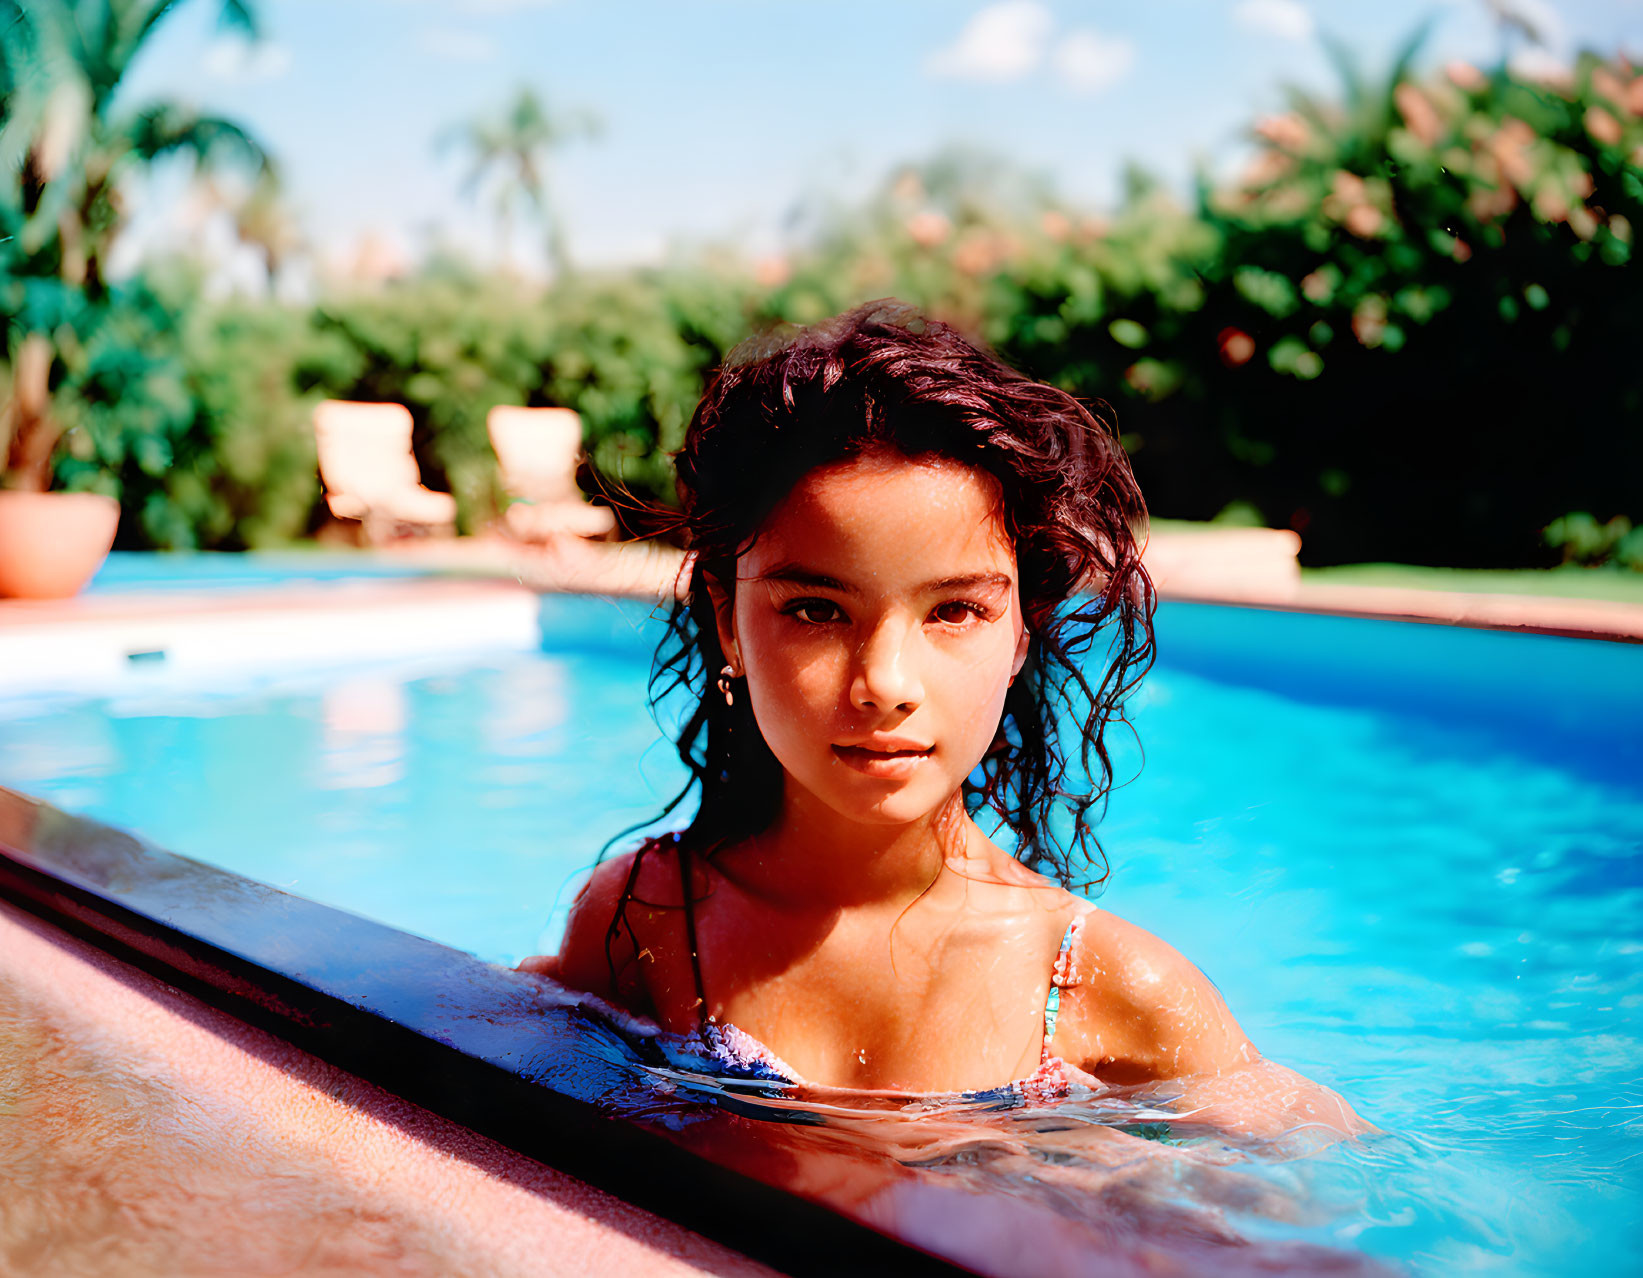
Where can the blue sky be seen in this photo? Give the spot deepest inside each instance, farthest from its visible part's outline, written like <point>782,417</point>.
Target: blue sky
<point>719,115</point>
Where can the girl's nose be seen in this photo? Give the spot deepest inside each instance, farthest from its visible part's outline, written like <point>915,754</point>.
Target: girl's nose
<point>886,675</point>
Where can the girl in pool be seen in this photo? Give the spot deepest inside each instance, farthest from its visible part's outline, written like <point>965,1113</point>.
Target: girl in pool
<point>901,556</point>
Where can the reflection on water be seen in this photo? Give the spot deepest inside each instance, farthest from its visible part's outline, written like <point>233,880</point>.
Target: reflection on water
<point>523,711</point>
<point>75,751</point>
<point>363,745</point>
<point>456,801</point>
<point>1101,1181</point>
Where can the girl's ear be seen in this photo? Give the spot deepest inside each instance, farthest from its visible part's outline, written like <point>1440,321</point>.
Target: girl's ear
<point>724,621</point>
<point>1023,645</point>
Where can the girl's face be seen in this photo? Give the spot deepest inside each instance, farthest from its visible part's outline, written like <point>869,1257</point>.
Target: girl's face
<point>878,621</point>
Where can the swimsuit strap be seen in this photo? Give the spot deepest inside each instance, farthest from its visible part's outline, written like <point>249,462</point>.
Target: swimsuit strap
<point>690,929</point>
<point>1061,975</point>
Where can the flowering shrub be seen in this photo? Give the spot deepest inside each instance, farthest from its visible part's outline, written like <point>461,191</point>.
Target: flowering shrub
<point>1415,328</point>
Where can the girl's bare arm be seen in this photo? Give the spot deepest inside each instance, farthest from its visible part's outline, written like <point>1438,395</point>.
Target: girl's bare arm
<point>1141,1014</point>
<point>582,962</point>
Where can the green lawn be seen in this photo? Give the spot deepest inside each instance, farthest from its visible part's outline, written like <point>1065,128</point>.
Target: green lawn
<point>1572,583</point>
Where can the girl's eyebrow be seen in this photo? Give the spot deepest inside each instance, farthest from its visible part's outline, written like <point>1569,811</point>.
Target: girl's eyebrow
<point>802,576</point>
<point>967,581</point>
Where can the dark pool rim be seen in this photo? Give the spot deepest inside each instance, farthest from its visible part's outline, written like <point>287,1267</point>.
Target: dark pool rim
<point>366,998</point>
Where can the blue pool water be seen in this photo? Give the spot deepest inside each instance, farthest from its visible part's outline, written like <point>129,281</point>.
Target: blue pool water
<point>1411,858</point>
<point>126,571</point>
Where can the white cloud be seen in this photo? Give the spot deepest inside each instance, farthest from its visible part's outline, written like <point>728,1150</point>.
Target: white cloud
<point>1535,19</point>
<point>457,44</point>
<point>1286,19</point>
<point>1002,42</point>
<point>1531,62</point>
<point>1089,62</point>
<point>1544,49</point>
<point>241,61</point>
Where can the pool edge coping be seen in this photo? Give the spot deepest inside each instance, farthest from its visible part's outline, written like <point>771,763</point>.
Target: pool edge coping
<point>1567,616</point>
<point>754,1218</point>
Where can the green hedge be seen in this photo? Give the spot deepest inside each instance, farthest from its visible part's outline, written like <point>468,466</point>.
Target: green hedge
<point>189,415</point>
<point>1409,332</point>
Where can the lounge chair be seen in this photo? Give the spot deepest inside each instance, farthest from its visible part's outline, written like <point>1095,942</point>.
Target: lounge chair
<point>371,475</point>
<point>537,449</point>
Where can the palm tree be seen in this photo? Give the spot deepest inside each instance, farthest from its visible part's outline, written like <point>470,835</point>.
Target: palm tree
<point>262,219</point>
<point>1528,22</point>
<point>61,205</point>
<point>512,150</point>
<point>1355,131</point>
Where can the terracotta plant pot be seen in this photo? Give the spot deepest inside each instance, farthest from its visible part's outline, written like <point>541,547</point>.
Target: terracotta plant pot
<point>52,543</point>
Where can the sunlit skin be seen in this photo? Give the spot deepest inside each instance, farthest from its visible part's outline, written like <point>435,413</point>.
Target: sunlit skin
<point>873,936</point>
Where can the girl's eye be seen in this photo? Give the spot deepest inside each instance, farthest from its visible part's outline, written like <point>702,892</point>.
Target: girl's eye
<point>814,612</point>
<point>956,612</point>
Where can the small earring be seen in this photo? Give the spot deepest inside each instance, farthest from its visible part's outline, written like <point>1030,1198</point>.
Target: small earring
<point>725,676</point>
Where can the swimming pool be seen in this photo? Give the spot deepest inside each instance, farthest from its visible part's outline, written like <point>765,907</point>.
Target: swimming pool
<point>1409,856</point>
<point>130,571</point>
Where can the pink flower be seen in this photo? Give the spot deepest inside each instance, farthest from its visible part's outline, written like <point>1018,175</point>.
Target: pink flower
<point>1603,126</point>
<point>1418,113</point>
<point>1237,347</point>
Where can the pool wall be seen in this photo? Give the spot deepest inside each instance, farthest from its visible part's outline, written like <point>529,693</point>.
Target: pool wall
<point>107,642</point>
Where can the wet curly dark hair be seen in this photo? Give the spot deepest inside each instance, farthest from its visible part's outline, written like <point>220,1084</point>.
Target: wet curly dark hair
<point>884,376</point>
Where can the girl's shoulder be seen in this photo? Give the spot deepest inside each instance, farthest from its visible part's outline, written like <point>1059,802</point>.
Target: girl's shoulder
<point>613,915</point>
<point>1135,1007</point>
<point>650,870</point>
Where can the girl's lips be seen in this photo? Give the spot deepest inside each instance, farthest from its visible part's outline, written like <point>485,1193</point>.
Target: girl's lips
<point>880,763</point>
